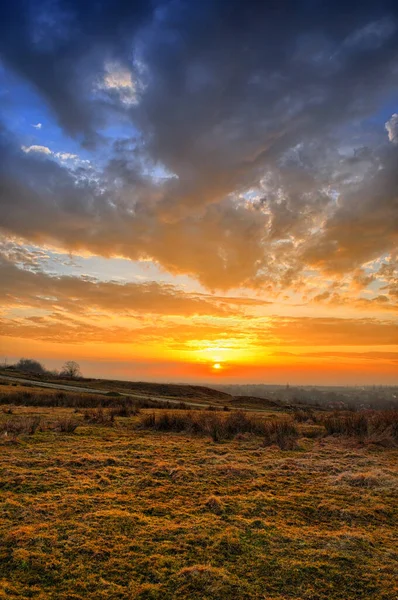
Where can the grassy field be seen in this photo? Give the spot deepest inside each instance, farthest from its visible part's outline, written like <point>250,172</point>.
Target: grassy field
<point>167,391</point>
<point>121,510</point>
<point>135,391</point>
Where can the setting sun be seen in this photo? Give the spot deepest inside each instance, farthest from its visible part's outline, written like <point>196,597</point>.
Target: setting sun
<point>217,366</point>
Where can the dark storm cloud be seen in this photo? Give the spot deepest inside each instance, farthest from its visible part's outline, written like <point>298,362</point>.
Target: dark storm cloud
<point>57,46</point>
<point>231,97</point>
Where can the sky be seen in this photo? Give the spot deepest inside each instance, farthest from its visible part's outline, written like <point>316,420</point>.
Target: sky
<point>201,191</point>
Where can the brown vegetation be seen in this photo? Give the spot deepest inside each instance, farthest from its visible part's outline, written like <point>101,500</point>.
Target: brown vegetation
<point>219,427</point>
<point>98,512</point>
<point>377,426</point>
<point>55,398</point>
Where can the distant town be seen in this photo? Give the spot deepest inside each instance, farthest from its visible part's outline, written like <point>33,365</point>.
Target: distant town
<point>323,396</point>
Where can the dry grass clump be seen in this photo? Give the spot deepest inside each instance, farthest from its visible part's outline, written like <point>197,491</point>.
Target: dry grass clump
<point>99,416</point>
<point>384,425</point>
<point>19,426</point>
<point>214,504</point>
<point>281,432</point>
<point>65,425</point>
<point>304,415</point>
<point>124,410</point>
<point>308,430</point>
<point>219,426</point>
<point>23,425</point>
<point>204,582</point>
<point>364,479</point>
<point>377,426</point>
<point>106,416</point>
<point>228,544</point>
<point>351,424</point>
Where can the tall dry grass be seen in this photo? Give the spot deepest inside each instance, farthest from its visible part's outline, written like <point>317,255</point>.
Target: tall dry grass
<point>373,425</point>
<point>220,426</point>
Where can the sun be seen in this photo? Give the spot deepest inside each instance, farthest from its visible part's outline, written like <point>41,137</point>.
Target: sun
<point>217,366</point>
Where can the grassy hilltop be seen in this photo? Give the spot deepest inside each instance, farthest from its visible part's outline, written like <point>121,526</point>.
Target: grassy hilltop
<point>143,503</point>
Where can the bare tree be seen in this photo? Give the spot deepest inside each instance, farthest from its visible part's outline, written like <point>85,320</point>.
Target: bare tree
<point>71,369</point>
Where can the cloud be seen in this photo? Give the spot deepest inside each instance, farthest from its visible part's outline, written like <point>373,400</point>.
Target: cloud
<point>392,128</point>
<point>74,211</point>
<point>344,355</point>
<point>309,331</point>
<point>30,287</point>
<point>48,52</point>
<point>201,334</point>
<point>38,126</point>
<point>35,303</point>
<point>271,169</point>
<point>363,225</point>
<point>38,149</point>
<point>118,80</point>
<point>63,157</point>
<point>66,156</point>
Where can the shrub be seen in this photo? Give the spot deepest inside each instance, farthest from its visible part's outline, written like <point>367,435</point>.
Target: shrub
<point>28,365</point>
<point>66,425</point>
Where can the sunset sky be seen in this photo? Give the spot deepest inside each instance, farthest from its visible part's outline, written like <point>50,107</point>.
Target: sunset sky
<point>201,191</point>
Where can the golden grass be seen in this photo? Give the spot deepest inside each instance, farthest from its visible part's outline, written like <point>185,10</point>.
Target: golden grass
<point>126,513</point>
<point>220,426</point>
